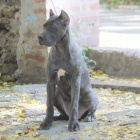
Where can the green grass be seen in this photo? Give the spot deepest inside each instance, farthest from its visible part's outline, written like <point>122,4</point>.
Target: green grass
<point>115,3</point>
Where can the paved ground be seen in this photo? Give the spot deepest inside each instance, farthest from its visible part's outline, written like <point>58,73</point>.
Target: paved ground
<point>22,109</point>
<point>120,27</point>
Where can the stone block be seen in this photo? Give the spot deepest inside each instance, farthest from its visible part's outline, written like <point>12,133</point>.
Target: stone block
<point>117,62</point>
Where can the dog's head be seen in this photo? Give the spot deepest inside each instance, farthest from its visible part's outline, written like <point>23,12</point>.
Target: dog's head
<point>54,29</point>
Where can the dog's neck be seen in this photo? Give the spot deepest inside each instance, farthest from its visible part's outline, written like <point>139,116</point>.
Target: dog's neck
<point>63,45</point>
<point>64,41</point>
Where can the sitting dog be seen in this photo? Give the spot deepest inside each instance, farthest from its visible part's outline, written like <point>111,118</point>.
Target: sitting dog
<point>68,83</point>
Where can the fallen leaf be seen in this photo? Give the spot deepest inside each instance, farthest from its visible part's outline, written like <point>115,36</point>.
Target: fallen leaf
<point>19,132</point>
<point>19,106</point>
<point>21,114</point>
<point>33,101</point>
<point>1,123</point>
<point>3,138</point>
<point>30,133</point>
<point>99,72</point>
<point>111,132</point>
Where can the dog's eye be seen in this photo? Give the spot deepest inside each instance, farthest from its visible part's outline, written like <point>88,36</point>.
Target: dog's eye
<point>52,27</point>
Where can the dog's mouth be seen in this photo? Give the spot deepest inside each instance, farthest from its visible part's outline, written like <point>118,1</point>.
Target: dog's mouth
<point>40,42</point>
<point>44,42</point>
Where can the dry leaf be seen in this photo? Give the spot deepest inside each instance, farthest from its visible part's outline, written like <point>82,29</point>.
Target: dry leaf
<point>21,114</point>
<point>19,132</point>
<point>33,101</point>
<point>3,138</point>
<point>99,72</point>
<point>111,132</point>
<point>29,132</point>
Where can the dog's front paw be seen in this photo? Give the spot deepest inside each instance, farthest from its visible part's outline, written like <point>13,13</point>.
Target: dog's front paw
<point>45,125</point>
<point>74,127</point>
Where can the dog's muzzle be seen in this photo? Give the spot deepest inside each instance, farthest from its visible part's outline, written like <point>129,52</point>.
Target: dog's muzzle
<point>40,38</point>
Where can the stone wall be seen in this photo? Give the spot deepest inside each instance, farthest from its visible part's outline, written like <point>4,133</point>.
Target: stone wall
<point>31,57</point>
<point>9,35</point>
<point>117,62</point>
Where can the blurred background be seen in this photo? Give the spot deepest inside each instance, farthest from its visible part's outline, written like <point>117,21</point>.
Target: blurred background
<point>120,23</point>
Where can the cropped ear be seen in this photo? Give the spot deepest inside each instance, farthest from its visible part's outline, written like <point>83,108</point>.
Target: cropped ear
<point>51,13</point>
<point>64,18</point>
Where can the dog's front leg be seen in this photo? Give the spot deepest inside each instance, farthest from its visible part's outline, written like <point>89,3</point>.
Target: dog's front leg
<point>46,124</point>
<point>75,93</point>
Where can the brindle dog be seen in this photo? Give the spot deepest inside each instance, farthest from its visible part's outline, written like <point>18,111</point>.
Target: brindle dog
<point>70,93</point>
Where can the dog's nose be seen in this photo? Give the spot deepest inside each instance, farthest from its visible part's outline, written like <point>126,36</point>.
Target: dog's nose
<point>40,37</point>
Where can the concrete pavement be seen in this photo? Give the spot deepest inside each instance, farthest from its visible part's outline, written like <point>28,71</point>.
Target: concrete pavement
<point>120,28</point>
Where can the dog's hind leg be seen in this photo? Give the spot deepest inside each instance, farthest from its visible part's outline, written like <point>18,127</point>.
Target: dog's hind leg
<point>93,102</point>
<point>58,103</point>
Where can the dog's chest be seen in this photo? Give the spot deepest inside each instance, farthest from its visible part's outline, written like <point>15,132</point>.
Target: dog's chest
<point>61,72</point>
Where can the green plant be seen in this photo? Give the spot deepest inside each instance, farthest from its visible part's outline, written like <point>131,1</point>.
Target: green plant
<point>119,2</point>
<point>90,63</point>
